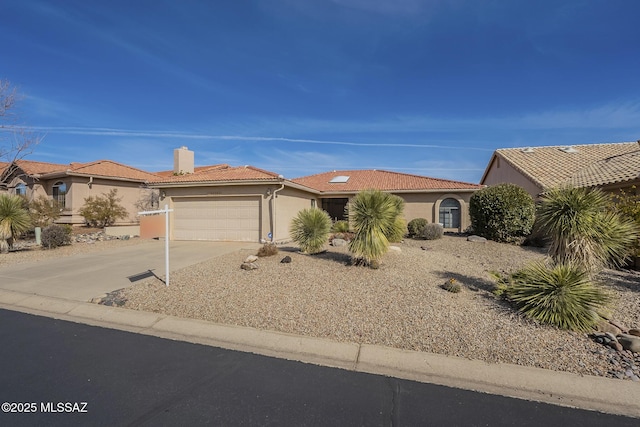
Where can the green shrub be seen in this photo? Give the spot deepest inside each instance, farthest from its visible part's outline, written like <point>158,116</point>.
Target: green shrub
<point>433,231</point>
<point>14,219</point>
<point>341,226</point>
<point>310,230</point>
<point>561,295</point>
<point>373,215</point>
<point>56,235</point>
<point>44,211</point>
<point>102,211</point>
<point>416,227</point>
<point>268,249</point>
<point>582,230</point>
<point>503,213</point>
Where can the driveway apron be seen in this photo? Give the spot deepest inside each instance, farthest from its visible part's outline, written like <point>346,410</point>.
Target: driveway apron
<point>85,276</point>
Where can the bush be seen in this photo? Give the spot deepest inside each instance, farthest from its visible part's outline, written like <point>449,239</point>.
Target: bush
<point>268,249</point>
<point>562,295</point>
<point>582,230</point>
<point>56,235</point>
<point>374,216</point>
<point>341,226</point>
<point>503,213</point>
<point>433,231</point>
<point>416,227</point>
<point>310,230</point>
<point>44,211</point>
<point>101,211</point>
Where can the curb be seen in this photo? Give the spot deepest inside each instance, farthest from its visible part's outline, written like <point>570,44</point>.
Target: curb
<point>523,382</point>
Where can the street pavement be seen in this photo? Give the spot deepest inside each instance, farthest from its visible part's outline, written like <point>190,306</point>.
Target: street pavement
<point>71,374</point>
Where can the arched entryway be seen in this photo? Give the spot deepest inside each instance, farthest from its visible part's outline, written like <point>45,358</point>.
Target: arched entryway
<point>449,215</point>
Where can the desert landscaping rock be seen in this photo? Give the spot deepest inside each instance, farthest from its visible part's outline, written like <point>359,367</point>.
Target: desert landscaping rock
<point>399,305</point>
<point>339,242</point>
<point>286,260</point>
<point>249,266</point>
<point>251,259</point>
<point>629,342</point>
<point>635,332</point>
<point>476,239</point>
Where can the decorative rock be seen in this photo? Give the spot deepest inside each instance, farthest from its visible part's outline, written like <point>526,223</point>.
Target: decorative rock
<point>629,342</point>
<point>338,242</point>
<point>605,326</point>
<point>615,345</point>
<point>249,266</point>
<point>476,239</point>
<point>250,259</point>
<point>286,260</point>
<point>424,248</point>
<point>635,332</point>
<point>395,249</point>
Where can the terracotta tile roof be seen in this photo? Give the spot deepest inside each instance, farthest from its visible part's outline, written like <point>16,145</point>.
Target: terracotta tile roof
<point>102,168</point>
<point>381,180</point>
<point>110,169</point>
<point>555,165</point>
<point>220,173</point>
<point>197,169</point>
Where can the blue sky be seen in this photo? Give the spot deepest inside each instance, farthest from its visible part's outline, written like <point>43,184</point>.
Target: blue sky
<point>298,87</point>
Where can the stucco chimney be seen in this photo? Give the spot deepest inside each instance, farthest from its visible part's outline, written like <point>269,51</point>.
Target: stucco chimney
<point>182,161</point>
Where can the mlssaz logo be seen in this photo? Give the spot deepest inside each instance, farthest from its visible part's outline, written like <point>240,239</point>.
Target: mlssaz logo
<point>66,407</point>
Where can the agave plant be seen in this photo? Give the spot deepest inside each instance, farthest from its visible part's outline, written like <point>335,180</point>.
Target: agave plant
<point>562,295</point>
<point>374,216</point>
<point>581,229</point>
<point>14,219</point>
<point>310,230</point>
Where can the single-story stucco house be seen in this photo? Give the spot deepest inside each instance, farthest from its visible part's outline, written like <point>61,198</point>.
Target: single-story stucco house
<point>609,166</point>
<point>70,184</point>
<point>245,203</point>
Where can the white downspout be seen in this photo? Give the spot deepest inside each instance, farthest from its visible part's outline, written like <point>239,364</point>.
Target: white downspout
<point>273,209</point>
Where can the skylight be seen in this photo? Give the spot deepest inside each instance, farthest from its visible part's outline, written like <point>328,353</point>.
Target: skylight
<point>339,179</point>
<point>569,149</point>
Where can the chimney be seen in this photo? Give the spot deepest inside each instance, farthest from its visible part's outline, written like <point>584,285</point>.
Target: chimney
<point>182,161</point>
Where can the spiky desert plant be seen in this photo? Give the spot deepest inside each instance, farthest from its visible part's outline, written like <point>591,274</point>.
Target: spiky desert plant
<point>14,219</point>
<point>562,295</point>
<point>341,226</point>
<point>581,229</point>
<point>373,215</point>
<point>310,230</point>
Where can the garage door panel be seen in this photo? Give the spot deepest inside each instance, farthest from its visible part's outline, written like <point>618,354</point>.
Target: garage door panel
<point>224,218</point>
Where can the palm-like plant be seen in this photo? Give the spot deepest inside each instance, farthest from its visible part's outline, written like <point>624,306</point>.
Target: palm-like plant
<point>582,231</point>
<point>374,215</point>
<point>562,295</point>
<point>14,219</point>
<point>310,230</point>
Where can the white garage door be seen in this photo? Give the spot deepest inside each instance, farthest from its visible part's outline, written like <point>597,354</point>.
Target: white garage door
<point>223,218</point>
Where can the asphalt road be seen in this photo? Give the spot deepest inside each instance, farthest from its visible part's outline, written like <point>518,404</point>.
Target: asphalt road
<point>74,374</point>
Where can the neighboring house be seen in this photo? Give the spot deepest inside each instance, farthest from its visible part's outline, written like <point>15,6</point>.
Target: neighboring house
<point>245,203</point>
<point>536,169</point>
<point>71,184</point>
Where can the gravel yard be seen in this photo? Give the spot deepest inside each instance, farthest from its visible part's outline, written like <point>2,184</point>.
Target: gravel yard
<point>400,305</point>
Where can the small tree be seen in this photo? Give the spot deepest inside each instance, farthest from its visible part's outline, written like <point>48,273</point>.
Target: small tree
<point>310,230</point>
<point>44,211</point>
<point>503,212</point>
<point>102,211</point>
<point>14,219</point>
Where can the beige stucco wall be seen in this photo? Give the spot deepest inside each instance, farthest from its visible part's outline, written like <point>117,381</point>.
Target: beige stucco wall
<point>501,172</point>
<point>427,205</point>
<point>288,203</point>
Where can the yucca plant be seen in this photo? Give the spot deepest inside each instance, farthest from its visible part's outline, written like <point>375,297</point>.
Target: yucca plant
<point>310,230</point>
<point>341,226</point>
<point>562,295</point>
<point>14,219</point>
<point>581,229</point>
<point>373,215</point>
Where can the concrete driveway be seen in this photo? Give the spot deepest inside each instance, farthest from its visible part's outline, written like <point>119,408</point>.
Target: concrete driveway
<point>85,276</point>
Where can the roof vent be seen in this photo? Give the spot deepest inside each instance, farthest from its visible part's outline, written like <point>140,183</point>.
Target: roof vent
<point>339,179</point>
<point>527,150</point>
<point>568,149</point>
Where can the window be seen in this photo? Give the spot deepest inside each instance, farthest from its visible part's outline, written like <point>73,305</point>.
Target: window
<point>60,193</point>
<point>450,213</point>
<point>21,189</point>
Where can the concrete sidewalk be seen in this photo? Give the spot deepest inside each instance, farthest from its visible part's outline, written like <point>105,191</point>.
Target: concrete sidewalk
<point>83,277</point>
<point>585,392</point>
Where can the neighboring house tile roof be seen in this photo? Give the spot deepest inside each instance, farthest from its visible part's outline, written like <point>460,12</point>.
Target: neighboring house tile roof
<point>198,169</point>
<point>381,180</point>
<point>101,168</point>
<point>219,173</point>
<point>578,164</point>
